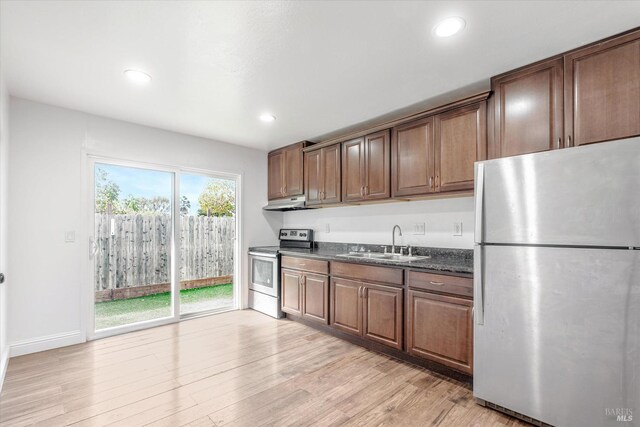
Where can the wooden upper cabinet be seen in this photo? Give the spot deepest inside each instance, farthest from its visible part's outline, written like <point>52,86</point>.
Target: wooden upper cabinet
<point>412,158</point>
<point>313,176</point>
<point>461,139</point>
<point>293,176</point>
<point>440,328</point>
<point>377,171</point>
<point>528,110</point>
<point>322,174</point>
<point>353,170</point>
<point>276,175</point>
<point>285,174</point>
<point>331,189</point>
<point>366,168</point>
<point>602,90</point>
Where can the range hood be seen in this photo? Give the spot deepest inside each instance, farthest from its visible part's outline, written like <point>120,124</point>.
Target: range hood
<point>286,204</point>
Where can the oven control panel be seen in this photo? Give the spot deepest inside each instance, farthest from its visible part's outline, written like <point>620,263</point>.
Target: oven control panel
<point>302,235</point>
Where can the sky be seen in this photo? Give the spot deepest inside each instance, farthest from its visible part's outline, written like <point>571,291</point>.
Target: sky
<point>151,183</point>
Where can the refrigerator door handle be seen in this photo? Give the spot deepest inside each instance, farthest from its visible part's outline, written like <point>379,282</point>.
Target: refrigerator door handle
<point>479,203</point>
<point>478,285</point>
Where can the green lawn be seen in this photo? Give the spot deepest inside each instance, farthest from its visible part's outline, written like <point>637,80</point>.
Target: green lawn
<point>122,312</point>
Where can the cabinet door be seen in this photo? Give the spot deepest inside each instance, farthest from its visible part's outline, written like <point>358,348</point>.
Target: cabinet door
<point>290,287</point>
<point>346,305</point>
<point>412,162</point>
<point>276,175</point>
<point>293,166</point>
<point>313,176</point>
<point>461,139</point>
<point>440,328</point>
<point>315,297</point>
<point>382,315</point>
<point>602,91</point>
<point>353,170</point>
<point>528,110</point>
<point>331,171</point>
<point>377,166</point>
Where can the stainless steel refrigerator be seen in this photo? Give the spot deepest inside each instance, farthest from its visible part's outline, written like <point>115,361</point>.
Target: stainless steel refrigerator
<point>557,285</point>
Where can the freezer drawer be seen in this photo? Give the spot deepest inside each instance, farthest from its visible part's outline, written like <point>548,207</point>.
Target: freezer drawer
<point>560,340</point>
<point>583,196</point>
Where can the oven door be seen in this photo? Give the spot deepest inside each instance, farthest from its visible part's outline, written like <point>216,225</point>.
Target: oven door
<point>264,276</point>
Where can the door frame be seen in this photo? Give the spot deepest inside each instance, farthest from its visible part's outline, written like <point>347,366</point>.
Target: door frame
<point>88,296</point>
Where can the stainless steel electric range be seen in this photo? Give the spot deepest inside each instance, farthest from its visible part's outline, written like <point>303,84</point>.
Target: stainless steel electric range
<point>264,270</point>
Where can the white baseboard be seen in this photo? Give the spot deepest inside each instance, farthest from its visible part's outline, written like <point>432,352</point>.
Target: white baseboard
<point>46,343</point>
<point>4,362</point>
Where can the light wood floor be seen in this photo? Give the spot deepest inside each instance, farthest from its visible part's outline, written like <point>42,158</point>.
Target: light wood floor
<point>239,368</point>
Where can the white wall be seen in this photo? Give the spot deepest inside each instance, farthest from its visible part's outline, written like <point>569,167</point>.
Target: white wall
<point>4,174</point>
<point>373,223</point>
<point>47,190</point>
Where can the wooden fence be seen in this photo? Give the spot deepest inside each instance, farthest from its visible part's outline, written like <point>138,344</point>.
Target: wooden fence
<point>134,250</point>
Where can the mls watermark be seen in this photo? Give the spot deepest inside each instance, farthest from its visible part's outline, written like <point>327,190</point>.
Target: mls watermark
<point>624,415</point>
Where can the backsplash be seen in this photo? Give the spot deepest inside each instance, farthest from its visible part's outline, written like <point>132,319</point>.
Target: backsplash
<point>372,224</point>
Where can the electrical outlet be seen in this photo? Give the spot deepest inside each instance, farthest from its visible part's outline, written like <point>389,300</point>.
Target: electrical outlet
<point>69,236</point>
<point>327,228</point>
<point>457,228</point>
<point>418,228</point>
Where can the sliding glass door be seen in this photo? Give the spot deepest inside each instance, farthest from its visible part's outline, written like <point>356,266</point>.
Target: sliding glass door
<point>207,243</point>
<point>162,246</point>
<point>132,245</point>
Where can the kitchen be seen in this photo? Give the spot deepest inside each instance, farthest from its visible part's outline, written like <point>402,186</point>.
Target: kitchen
<point>468,258</point>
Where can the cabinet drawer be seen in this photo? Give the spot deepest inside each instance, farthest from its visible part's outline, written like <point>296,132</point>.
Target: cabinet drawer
<point>369,273</point>
<point>306,264</point>
<point>455,285</point>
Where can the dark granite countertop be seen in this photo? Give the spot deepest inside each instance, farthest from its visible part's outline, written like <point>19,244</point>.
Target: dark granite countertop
<point>441,260</point>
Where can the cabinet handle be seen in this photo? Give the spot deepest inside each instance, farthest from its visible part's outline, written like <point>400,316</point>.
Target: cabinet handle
<point>285,190</point>
<point>361,191</point>
<point>436,283</point>
<point>569,141</point>
<point>431,181</point>
<point>366,190</point>
<point>559,142</point>
<point>437,181</point>
<point>359,291</point>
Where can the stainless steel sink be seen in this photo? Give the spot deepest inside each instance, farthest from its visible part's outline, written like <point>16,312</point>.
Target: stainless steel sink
<point>375,255</point>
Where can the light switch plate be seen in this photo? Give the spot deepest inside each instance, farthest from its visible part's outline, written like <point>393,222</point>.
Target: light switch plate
<point>419,228</point>
<point>69,236</point>
<point>457,228</point>
<point>327,228</point>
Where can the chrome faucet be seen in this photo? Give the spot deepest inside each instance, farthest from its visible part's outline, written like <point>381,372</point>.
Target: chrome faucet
<point>393,237</point>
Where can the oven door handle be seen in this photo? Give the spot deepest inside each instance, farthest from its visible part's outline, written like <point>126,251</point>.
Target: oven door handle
<point>263,255</point>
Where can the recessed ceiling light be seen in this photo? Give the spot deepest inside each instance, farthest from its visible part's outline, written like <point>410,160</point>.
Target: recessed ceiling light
<point>449,26</point>
<point>137,76</point>
<point>267,118</point>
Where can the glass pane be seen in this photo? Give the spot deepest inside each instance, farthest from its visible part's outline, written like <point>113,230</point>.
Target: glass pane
<point>132,249</point>
<point>262,272</point>
<point>207,243</point>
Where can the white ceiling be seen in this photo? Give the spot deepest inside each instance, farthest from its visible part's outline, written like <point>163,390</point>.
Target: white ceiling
<point>318,66</point>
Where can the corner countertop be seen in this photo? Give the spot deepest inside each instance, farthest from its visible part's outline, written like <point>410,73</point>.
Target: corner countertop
<point>458,261</point>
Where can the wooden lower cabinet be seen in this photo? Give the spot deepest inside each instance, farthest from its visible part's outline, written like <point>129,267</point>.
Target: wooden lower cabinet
<point>382,314</point>
<point>368,310</point>
<point>305,294</point>
<point>440,328</point>
<point>315,297</point>
<point>346,305</point>
<point>290,284</point>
